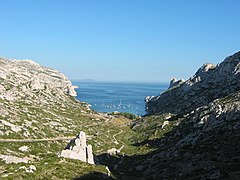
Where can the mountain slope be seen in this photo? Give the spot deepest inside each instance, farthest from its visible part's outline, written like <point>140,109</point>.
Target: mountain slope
<point>203,144</point>
<point>194,126</point>
<point>37,107</point>
<point>192,131</point>
<point>209,82</point>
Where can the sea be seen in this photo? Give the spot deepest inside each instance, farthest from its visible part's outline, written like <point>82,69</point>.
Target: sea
<point>115,96</point>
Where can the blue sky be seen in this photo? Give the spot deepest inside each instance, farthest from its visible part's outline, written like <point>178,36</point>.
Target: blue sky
<point>125,40</point>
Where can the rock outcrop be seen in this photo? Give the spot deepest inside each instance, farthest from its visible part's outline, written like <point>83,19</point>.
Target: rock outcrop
<point>8,159</point>
<point>204,144</point>
<point>20,78</point>
<point>209,83</point>
<point>204,116</point>
<point>78,149</point>
<point>175,82</point>
<point>194,127</point>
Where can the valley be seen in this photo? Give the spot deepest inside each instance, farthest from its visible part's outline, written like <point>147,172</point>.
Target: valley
<point>190,131</point>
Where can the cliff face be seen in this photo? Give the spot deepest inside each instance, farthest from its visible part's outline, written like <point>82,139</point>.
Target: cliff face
<point>194,126</point>
<point>209,83</point>
<point>37,115</point>
<point>195,133</point>
<point>21,78</point>
<point>30,93</point>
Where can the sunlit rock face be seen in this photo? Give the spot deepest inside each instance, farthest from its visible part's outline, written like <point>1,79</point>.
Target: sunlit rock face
<point>209,83</point>
<point>20,78</point>
<point>78,149</point>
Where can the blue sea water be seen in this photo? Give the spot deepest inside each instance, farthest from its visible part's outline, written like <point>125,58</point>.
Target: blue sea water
<point>121,97</point>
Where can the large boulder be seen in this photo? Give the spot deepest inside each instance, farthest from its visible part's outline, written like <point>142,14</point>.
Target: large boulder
<point>78,149</point>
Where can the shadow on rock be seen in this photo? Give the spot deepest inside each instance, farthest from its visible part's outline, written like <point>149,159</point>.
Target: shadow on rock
<point>185,152</point>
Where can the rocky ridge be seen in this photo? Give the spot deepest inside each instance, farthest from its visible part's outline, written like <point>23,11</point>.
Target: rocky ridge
<point>179,142</point>
<point>38,113</point>
<point>202,144</point>
<point>29,91</point>
<point>26,76</point>
<point>209,83</point>
<point>194,127</point>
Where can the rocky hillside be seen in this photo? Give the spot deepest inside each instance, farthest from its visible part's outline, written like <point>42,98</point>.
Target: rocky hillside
<point>193,127</point>
<point>20,78</point>
<point>192,131</point>
<point>209,83</point>
<point>38,117</point>
<point>204,144</point>
<point>193,136</point>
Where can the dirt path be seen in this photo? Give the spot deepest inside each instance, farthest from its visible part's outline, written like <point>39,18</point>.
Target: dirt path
<point>119,150</point>
<point>114,137</point>
<point>38,140</point>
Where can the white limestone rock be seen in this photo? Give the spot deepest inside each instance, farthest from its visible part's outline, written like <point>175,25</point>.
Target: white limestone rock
<point>113,151</point>
<point>175,82</point>
<point>13,127</point>
<point>78,149</point>
<point>24,76</point>
<point>23,148</point>
<point>165,123</point>
<point>90,158</point>
<point>210,82</point>
<point>31,168</point>
<point>13,159</point>
<point>148,98</point>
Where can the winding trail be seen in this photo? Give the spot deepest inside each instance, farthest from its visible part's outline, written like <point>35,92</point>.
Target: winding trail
<point>114,137</point>
<point>117,142</point>
<point>119,150</point>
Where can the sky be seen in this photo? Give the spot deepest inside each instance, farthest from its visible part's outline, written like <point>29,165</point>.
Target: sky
<point>124,40</point>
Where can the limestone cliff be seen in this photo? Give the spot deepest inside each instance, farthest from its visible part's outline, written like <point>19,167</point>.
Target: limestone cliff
<point>209,83</point>
<point>21,78</point>
<point>37,115</point>
<point>194,127</point>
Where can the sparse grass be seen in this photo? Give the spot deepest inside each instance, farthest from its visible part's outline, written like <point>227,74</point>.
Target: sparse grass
<point>65,113</point>
<point>52,167</point>
<point>61,116</point>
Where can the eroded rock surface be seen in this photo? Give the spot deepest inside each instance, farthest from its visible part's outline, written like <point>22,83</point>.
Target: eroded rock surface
<point>209,83</point>
<point>13,159</point>
<point>78,149</point>
<point>20,78</point>
<point>204,112</point>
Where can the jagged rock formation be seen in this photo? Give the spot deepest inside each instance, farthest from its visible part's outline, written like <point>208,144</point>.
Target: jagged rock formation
<point>21,78</point>
<point>175,82</point>
<point>201,141</point>
<point>78,149</point>
<point>203,144</point>
<point>209,83</point>
<point>204,116</point>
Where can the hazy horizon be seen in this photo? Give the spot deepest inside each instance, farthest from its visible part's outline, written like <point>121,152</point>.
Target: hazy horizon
<point>120,41</point>
<point>116,81</point>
